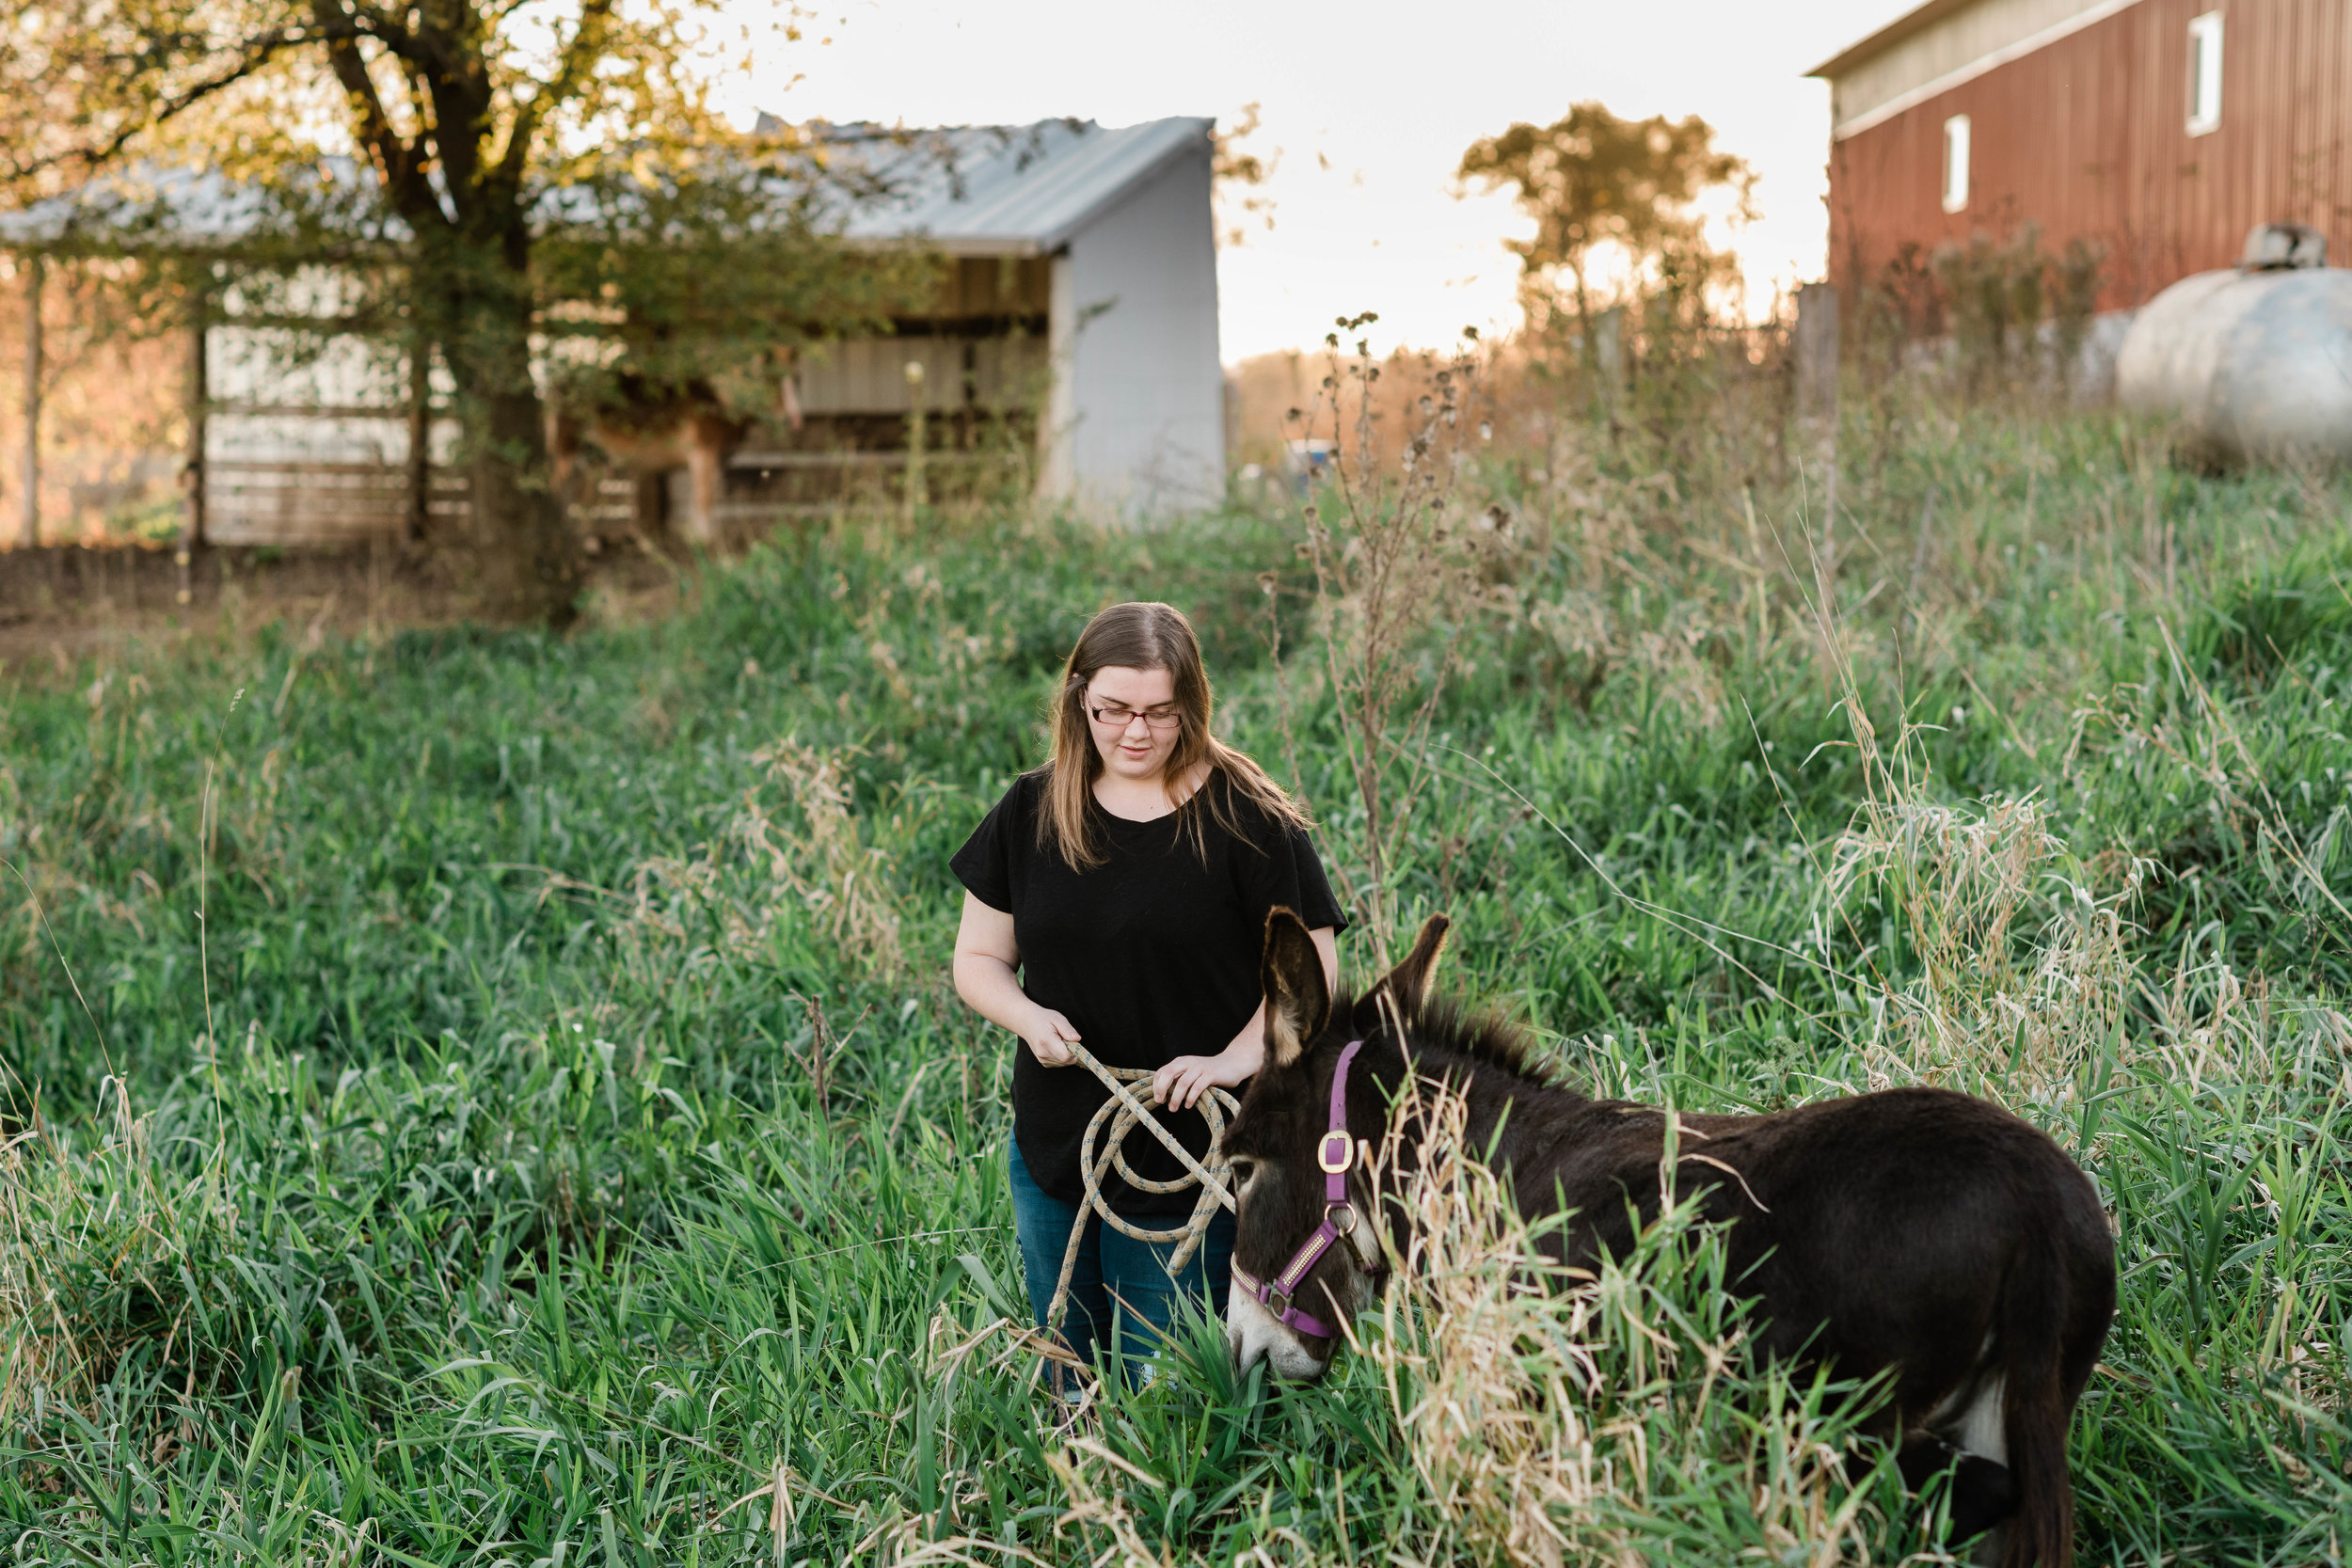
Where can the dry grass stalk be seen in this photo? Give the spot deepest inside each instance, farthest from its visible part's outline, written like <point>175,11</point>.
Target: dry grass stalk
<point>2025,972</point>
<point>847,885</point>
<point>724,899</point>
<point>2211,1027</point>
<point>2028,972</point>
<point>1549,1410</point>
<point>1398,559</point>
<point>94,1245</point>
<point>1098,1511</point>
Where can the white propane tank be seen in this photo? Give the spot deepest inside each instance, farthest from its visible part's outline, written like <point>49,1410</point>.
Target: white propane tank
<point>2254,362</point>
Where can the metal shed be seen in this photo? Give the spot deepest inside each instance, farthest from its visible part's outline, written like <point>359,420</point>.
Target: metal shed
<point>1079,311</point>
<point>1085,284</point>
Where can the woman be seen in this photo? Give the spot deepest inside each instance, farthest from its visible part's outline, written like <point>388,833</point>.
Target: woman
<point>1117,897</point>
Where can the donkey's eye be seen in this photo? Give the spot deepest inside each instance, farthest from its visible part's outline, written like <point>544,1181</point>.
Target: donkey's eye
<point>1244,1170</point>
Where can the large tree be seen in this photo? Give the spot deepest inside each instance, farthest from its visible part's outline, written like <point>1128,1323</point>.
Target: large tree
<point>1593,181</point>
<point>502,136</point>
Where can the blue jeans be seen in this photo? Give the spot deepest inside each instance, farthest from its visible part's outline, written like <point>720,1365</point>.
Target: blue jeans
<point>1122,1298</point>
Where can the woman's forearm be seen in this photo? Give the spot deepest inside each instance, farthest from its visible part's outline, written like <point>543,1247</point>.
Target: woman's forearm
<point>1247,1050</point>
<point>1248,1047</point>
<point>1183,1082</point>
<point>989,986</point>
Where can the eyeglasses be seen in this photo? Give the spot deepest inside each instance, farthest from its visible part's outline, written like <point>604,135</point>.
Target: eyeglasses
<point>1115,716</point>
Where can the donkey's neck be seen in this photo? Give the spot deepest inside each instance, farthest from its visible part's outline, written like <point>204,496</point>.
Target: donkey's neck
<point>1505,1109</point>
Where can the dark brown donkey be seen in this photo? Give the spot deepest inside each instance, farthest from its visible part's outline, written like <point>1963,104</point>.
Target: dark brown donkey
<point>1916,1232</point>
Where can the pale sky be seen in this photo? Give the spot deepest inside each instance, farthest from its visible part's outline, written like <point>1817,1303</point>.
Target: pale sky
<point>1370,106</point>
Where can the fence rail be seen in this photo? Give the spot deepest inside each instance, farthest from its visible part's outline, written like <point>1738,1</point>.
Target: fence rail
<point>308,501</point>
<point>259,501</point>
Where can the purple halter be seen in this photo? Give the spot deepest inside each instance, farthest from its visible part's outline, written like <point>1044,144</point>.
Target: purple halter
<point>1336,1154</point>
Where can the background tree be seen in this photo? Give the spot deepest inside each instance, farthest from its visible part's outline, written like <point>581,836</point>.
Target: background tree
<point>489,126</point>
<point>1593,181</point>
<point>1239,177</point>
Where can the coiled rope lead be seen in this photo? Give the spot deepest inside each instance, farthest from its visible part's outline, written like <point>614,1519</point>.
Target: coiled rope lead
<point>1124,1112</point>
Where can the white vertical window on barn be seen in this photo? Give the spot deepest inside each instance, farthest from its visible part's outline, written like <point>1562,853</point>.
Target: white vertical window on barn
<point>2204,73</point>
<point>1956,163</point>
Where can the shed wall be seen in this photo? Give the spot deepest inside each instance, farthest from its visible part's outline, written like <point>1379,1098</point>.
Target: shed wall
<point>2088,138</point>
<point>1134,323</point>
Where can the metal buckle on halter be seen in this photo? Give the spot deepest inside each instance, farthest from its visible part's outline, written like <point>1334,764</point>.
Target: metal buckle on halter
<point>1346,1155</point>
<point>1347,1209</point>
<point>1274,1293</point>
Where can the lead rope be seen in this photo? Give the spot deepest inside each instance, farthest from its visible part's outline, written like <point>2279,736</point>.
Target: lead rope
<point>1124,1113</point>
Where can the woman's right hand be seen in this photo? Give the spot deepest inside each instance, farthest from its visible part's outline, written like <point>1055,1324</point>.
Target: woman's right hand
<point>1050,1037</point>
<point>987,957</point>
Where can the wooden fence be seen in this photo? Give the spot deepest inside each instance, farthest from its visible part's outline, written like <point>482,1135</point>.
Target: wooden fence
<point>308,501</point>
<point>250,501</point>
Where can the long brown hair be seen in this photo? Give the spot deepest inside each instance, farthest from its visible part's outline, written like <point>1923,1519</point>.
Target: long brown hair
<point>1146,636</point>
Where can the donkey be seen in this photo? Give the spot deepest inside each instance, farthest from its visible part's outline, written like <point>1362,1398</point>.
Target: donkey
<point>1916,1233</point>
<point>646,435</point>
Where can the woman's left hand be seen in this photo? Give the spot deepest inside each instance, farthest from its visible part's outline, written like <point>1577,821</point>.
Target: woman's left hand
<point>1183,1081</point>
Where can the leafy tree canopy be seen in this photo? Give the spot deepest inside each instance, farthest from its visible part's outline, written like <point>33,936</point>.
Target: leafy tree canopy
<point>1594,180</point>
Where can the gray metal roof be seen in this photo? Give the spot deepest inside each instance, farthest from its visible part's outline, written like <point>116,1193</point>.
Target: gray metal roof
<point>173,204</point>
<point>970,190</point>
<point>989,190</point>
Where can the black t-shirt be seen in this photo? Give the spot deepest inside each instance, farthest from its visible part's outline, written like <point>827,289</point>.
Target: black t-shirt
<point>1152,955</point>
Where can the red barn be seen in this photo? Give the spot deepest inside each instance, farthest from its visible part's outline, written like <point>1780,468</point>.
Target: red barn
<point>2161,130</point>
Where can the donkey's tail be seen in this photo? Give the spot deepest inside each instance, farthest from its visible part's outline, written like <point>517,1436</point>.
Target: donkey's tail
<point>2033,1322</point>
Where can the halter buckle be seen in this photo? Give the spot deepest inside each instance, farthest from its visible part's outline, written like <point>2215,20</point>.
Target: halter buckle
<point>1276,1300</point>
<point>1347,1209</point>
<point>1333,1165</point>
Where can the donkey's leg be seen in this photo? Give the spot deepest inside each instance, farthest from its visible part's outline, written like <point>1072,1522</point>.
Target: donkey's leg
<point>702,468</point>
<point>1981,1493</point>
<point>1984,1491</point>
<point>1977,1426</point>
<point>1967,1433</point>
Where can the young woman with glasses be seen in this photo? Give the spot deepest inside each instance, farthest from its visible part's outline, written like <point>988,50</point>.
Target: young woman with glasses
<point>1117,896</point>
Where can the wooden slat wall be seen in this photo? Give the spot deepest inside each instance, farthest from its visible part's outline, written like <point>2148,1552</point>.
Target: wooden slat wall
<point>994,286</point>
<point>249,502</point>
<point>867,376</point>
<point>2087,137</point>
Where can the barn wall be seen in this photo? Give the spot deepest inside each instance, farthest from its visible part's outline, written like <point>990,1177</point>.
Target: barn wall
<point>1135,319</point>
<point>2087,137</point>
<point>1952,43</point>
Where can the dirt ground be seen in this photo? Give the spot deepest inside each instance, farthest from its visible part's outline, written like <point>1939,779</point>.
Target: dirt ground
<point>61,606</point>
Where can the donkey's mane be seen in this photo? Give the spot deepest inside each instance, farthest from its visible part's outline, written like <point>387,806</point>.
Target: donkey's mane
<point>1457,1029</point>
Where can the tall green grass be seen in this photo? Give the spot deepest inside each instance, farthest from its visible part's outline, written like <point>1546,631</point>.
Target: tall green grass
<point>477,1097</point>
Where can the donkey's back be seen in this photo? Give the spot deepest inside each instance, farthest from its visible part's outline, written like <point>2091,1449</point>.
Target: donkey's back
<point>1914,1231</point>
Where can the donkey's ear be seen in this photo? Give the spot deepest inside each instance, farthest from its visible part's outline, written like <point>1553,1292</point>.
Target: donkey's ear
<point>1297,1000</point>
<point>1407,986</point>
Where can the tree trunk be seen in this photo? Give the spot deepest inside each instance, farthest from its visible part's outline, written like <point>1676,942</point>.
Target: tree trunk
<point>30,501</point>
<point>529,559</point>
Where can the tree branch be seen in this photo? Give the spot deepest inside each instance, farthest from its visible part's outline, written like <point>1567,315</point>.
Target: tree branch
<point>397,161</point>
<point>251,56</point>
<point>580,58</point>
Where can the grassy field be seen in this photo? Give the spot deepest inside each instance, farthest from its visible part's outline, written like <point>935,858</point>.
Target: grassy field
<point>478,1098</point>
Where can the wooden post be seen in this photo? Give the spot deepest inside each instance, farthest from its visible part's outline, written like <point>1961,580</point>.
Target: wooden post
<point>915,441</point>
<point>1609,363</point>
<point>1609,350</point>
<point>420,437</point>
<point>198,395</point>
<point>1816,354</point>
<point>30,501</point>
<point>1815,347</point>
